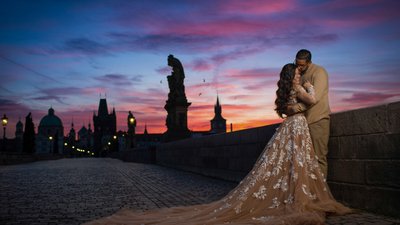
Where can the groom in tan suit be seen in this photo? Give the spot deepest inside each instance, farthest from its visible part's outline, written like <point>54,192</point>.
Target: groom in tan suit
<point>318,114</point>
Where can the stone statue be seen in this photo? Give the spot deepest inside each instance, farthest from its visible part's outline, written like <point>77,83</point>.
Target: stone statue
<point>29,135</point>
<point>175,80</point>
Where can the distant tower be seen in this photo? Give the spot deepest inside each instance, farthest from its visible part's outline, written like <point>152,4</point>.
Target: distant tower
<point>105,127</point>
<point>72,134</point>
<point>218,123</point>
<point>19,135</point>
<point>90,137</point>
<point>71,138</point>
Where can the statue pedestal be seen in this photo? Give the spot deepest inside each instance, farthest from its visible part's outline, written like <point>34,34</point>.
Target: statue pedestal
<point>176,121</point>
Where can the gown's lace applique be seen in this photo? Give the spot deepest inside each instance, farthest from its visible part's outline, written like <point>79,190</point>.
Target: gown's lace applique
<point>260,194</point>
<point>243,194</point>
<point>289,200</point>
<point>307,192</point>
<point>267,175</point>
<point>278,184</point>
<point>263,218</point>
<point>275,203</point>
<point>238,208</point>
<point>313,176</point>
<point>284,184</point>
<point>225,206</point>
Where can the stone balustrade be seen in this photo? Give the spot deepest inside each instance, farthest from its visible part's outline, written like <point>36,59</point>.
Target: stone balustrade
<point>364,156</point>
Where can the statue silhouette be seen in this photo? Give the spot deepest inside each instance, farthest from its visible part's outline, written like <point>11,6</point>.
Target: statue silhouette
<point>175,80</point>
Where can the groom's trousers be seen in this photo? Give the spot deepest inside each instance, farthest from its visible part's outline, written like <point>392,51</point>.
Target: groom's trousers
<point>320,136</point>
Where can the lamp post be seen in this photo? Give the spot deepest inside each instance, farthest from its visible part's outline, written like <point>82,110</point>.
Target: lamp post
<point>4,121</point>
<point>51,144</point>
<point>131,129</point>
<point>115,143</point>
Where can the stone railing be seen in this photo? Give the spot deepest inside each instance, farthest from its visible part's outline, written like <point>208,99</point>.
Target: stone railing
<point>228,156</point>
<point>364,156</point>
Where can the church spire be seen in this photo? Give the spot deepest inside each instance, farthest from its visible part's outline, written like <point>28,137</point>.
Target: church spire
<point>145,129</point>
<point>218,123</point>
<point>218,109</point>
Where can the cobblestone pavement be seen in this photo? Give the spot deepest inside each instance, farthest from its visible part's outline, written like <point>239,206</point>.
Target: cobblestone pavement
<point>72,191</point>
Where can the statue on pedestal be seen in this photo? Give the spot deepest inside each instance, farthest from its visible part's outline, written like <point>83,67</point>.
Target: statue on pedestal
<point>177,104</point>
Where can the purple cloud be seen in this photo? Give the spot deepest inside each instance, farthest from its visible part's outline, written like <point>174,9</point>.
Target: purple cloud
<point>119,79</point>
<point>164,70</point>
<point>84,46</point>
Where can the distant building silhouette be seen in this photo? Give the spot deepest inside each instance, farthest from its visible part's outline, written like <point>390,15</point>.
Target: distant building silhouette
<point>148,140</point>
<point>50,137</point>
<point>85,138</point>
<point>218,123</point>
<point>105,127</point>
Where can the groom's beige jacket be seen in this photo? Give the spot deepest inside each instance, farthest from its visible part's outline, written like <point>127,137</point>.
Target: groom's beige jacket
<point>318,77</point>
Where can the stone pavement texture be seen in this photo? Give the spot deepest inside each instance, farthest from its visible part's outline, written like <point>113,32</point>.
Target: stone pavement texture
<point>73,191</point>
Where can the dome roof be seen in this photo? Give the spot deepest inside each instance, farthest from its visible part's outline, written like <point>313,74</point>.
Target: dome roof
<point>50,120</point>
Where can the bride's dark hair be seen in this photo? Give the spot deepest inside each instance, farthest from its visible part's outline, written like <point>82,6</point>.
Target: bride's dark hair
<point>285,85</point>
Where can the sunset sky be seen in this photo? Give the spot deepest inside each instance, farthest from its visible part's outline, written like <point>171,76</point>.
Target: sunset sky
<point>65,54</point>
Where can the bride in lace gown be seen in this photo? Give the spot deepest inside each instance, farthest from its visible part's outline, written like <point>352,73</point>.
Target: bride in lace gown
<point>285,185</point>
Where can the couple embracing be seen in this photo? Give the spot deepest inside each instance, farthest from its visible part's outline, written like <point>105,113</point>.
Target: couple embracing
<point>287,184</point>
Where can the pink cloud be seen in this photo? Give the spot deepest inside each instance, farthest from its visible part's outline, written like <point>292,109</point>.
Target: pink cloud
<point>200,65</point>
<point>231,26</point>
<point>252,74</point>
<point>164,70</point>
<point>257,6</point>
<point>368,12</point>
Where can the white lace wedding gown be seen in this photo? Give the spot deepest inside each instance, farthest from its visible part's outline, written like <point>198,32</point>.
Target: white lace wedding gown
<point>285,186</point>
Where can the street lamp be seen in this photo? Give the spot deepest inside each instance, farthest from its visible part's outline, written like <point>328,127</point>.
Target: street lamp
<point>131,121</point>
<point>4,121</point>
<point>51,144</point>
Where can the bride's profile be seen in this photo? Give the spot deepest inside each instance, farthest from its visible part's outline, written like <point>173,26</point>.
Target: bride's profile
<point>285,186</point>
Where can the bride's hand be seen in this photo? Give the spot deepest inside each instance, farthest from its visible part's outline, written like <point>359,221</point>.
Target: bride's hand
<point>307,84</point>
